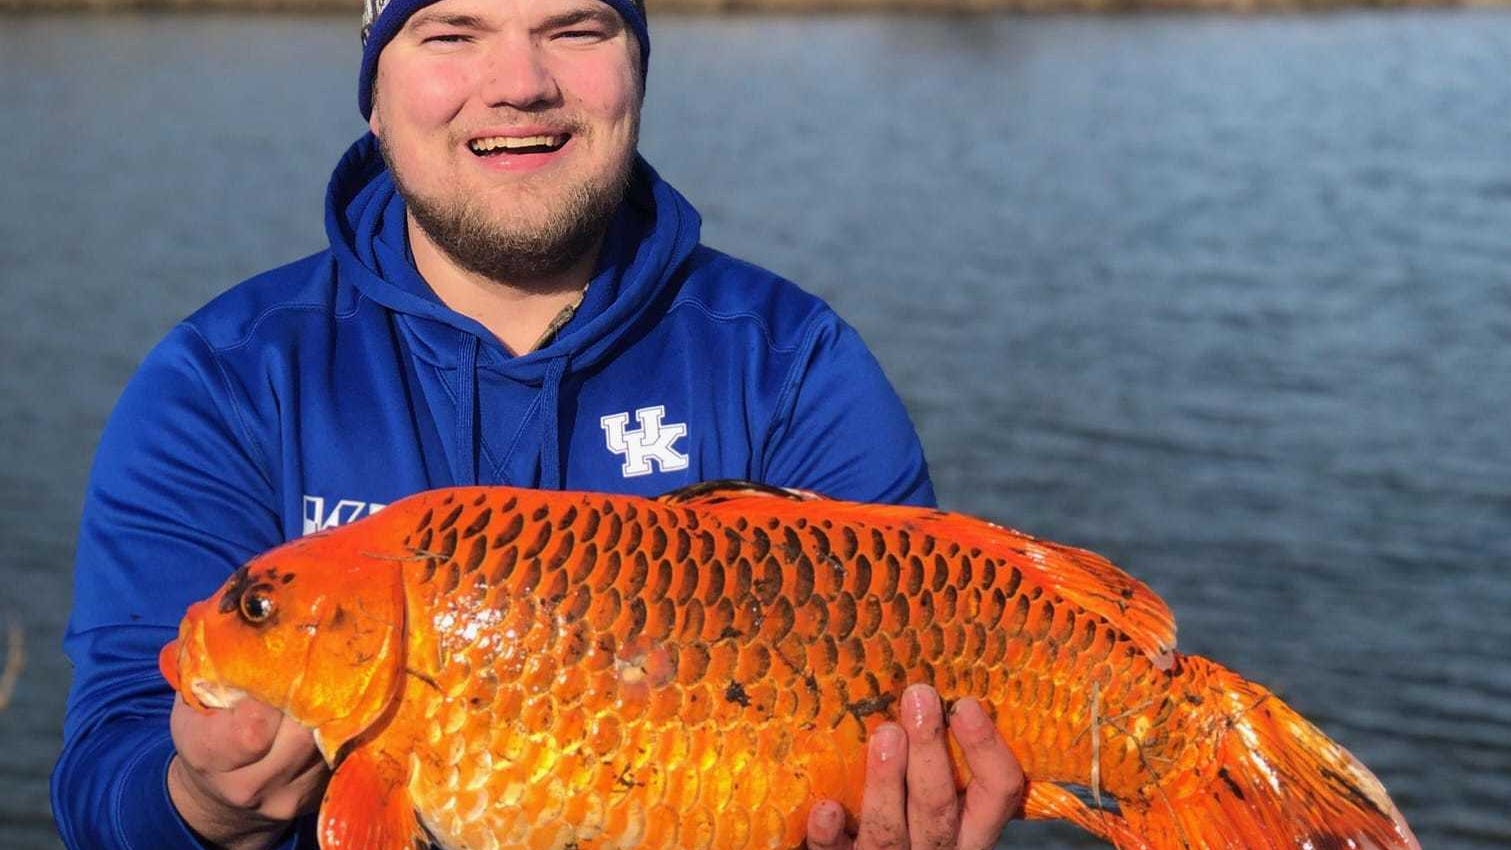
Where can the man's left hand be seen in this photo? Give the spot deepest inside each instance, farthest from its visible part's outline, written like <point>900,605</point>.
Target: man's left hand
<point>910,802</point>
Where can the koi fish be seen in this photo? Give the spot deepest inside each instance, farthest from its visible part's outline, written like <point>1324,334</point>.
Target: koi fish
<point>503,668</point>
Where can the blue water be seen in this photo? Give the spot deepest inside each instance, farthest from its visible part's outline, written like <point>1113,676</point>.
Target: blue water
<point>1227,299</point>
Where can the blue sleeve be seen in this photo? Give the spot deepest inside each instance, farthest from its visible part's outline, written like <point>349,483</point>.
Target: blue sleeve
<point>177,498</point>
<point>841,430</point>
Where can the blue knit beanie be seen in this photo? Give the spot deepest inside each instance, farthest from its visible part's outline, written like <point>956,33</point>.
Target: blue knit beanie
<point>382,20</point>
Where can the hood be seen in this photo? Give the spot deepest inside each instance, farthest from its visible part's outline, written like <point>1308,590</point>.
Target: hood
<point>654,231</point>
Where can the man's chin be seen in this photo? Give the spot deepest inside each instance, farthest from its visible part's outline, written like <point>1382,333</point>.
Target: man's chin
<point>518,230</point>
<point>514,249</point>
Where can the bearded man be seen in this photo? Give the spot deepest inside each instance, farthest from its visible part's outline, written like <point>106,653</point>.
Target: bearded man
<point>510,296</point>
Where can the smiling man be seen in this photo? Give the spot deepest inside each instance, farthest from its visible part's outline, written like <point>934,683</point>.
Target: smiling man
<point>511,295</point>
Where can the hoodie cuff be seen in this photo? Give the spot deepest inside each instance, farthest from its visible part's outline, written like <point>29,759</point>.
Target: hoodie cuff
<point>145,814</point>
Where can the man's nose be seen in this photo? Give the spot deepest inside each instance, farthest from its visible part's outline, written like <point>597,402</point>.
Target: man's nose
<point>518,75</point>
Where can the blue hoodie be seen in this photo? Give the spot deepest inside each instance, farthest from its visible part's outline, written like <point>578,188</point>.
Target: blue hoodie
<point>317,393</point>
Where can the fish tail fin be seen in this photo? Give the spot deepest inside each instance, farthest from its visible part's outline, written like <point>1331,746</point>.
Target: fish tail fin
<point>1276,781</point>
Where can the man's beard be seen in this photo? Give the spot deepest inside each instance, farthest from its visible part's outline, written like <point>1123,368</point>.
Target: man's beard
<point>518,252</point>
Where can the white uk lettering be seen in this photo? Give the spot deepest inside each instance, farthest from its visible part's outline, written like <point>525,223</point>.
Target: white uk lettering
<point>317,518</point>
<point>654,441</point>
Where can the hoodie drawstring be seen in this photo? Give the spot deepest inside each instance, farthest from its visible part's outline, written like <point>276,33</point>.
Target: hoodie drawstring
<point>550,459</point>
<point>466,409</point>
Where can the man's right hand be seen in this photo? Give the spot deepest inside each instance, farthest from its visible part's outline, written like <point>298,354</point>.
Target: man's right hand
<point>243,773</point>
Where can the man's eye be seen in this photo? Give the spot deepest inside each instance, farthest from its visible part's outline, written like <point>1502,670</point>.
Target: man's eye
<point>446,38</point>
<point>582,35</point>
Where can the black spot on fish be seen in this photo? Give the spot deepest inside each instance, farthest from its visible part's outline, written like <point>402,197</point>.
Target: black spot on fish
<point>240,581</point>
<point>448,544</point>
<point>541,513</point>
<point>476,553</point>
<point>478,523</point>
<point>590,521</point>
<point>509,532</point>
<point>561,554</point>
<point>1222,773</point>
<point>287,577</point>
<point>616,528</point>
<point>504,568</point>
<point>338,617</point>
<point>735,542</point>
<point>450,519</point>
<point>1354,791</point>
<point>736,693</point>
<point>542,537</point>
<point>791,545</point>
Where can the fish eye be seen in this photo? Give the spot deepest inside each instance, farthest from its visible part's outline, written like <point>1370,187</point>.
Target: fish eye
<point>257,603</point>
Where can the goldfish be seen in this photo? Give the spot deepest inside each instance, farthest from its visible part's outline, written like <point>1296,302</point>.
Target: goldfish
<point>504,668</point>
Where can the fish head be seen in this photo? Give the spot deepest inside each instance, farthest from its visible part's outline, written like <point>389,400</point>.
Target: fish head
<point>314,628</point>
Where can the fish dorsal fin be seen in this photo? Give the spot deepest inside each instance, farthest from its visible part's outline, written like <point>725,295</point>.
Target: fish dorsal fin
<point>1080,577</point>
<point>706,493</point>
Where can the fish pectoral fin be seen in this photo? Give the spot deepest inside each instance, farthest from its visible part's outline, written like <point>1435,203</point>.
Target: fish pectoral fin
<point>367,806</point>
<point>707,493</point>
<point>1048,801</point>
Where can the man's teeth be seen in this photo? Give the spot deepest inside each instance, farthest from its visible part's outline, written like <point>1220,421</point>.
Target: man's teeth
<point>513,143</point>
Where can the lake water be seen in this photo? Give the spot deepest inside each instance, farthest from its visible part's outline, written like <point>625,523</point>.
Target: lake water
<point>1227,299</point>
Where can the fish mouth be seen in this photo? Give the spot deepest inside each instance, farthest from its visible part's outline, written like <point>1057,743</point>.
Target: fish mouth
<point>215,695</point>
<point>186,664</point>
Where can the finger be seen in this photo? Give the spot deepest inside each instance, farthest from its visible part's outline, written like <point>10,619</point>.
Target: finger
<point>883,811</point>
<point>933,806</point>
<point>287,780</point>
<point>826,827</point>
<point>222,740</point>
<point>995,792</point>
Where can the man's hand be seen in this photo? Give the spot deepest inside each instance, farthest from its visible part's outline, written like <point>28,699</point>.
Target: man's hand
<point>910,801</point>
<point>242,774</point>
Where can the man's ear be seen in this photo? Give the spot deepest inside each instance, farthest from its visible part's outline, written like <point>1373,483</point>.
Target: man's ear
<point>373,122</point>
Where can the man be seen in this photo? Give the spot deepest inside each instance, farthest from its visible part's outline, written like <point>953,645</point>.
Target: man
<point>510,296</point>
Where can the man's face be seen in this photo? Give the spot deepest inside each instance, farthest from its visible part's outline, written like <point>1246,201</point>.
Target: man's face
<point>510,127</point>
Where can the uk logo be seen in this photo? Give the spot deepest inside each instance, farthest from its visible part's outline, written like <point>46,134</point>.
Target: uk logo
<point>654,441</point>
<point>317,518</point>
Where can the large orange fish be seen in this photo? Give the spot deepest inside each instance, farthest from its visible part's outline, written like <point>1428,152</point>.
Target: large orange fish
<point>502,668</point>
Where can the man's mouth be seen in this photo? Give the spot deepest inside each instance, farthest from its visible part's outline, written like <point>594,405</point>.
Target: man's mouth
<point>499,145</point>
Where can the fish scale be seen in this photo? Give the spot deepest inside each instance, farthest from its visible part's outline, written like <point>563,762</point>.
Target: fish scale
<point>572,671</point>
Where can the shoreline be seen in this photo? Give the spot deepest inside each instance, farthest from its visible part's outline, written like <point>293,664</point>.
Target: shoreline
<point>799,6</point>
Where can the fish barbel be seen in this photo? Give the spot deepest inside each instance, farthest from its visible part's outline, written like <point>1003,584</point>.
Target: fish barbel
<point>504,668</point>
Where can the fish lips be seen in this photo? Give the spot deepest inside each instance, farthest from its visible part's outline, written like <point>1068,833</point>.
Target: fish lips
<point>191,673</point>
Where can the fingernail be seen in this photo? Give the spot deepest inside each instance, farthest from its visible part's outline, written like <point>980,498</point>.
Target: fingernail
<point>968,715</point>
<point>828,816</point>
<point>920,706</point>
<point>887,742</point>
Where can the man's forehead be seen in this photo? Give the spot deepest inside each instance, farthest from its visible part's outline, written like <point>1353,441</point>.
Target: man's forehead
<point>480,12</point>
